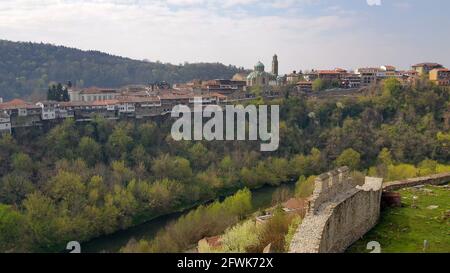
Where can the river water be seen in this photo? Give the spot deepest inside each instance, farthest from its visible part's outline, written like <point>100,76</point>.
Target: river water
<point>261,199</point>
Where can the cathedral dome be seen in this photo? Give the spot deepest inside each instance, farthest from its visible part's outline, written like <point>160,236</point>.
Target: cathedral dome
<point>259,67</point>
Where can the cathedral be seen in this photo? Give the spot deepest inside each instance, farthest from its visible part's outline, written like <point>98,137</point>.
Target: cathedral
<point>259,77</point>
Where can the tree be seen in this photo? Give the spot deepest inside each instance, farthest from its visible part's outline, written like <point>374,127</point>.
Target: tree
<point>240,204</point>
<point>22,163</point>
<point>385,157</point>
<point>350,158</point>
<point>148,135</point>
<point>318,85</point>
<point>175,168</point>
<point>119,142</point>
<point>274,232</point>
<point>392,88</point>
<point>240,238</point>
<point>58,92</point>
<point>11,229</point>
<point>67,188</point>
<point>401,171</point>
<point>14,188</point>
<point>305,187</point>
<point>198,153</point>
<point>62,139</point>
<point>89,150</point>
<point>40,215</point>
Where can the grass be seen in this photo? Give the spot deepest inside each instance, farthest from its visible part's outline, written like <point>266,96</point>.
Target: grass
<point>404,229</point>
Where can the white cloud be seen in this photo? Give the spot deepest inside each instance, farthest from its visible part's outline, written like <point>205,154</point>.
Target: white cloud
<point>228,31</point>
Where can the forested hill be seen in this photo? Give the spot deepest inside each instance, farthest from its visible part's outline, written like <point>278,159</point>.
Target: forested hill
<point>27,69</point>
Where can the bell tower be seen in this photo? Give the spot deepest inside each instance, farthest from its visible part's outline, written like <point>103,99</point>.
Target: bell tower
<point>275,65</point>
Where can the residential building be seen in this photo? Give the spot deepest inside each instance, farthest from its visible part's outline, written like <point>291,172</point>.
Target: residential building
<point>410,76</point>
<point>387,71</point>
<point>351,80</point>
<point>440,76</point>
<point>297,206</point>
<point>241,76</point>
<point>5,123</point>
<point>331,75</point>
<point>368,75</point>
<point>210,243</point>
<point>226,87</point>
<point>294,77</point>
<point>425,68</point>
<point>304,86</point>
<point>48,109</point>
<point>93,94</point>
<point>22,114</point>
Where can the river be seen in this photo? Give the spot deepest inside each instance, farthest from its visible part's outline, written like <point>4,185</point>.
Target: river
<point>261,199</point>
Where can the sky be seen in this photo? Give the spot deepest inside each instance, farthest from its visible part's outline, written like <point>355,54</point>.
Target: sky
<point>305,34</point>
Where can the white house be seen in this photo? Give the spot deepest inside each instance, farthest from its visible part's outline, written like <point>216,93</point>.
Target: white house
<point>5,123</point>
<point>126,107</point>
<point>48,109</point>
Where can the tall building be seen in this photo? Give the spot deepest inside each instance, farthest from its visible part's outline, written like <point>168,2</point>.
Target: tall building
<point>275,65</point>
<point>425,68</point>
<point>440,76</point>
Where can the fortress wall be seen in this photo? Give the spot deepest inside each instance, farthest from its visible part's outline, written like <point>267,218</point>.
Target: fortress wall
<point>352,217</point>
<point>436,179</point>
<point>339,213</point>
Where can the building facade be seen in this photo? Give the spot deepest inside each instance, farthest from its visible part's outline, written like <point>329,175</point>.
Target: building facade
<point>5,123</point>
<point>259,77</point>
<point>440,76</point>
<point>425,68</point>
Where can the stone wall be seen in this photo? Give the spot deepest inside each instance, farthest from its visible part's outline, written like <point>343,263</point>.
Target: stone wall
<point>436,179</point>
<point>339,213</point>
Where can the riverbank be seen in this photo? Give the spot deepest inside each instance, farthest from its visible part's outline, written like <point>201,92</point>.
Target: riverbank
<point>146,230</point>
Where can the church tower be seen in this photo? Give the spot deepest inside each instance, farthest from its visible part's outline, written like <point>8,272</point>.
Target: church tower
<point>275,65</point>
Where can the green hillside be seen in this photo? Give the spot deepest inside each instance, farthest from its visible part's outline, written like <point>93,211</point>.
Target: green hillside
<point>27,69</point>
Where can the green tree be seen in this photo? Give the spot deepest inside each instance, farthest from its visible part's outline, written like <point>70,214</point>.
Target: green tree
<point>40,215</point>
<point>89,150</point>
<point>318,85</point>
<point>304,187</point>
<point>11,229</point>
<point>240,204</point>
<point>68,189</point>
<point>350,158</point>
<point>62,139</point>
<point>14,188</point>
<point>240,238</point>
<point>175,168</point>
<point>119,143</point>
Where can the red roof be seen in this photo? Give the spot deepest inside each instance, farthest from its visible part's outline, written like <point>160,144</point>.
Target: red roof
<point>214,241</point>
<point>16,104</point>
<point>328,72</point>
<point>442,69</point>
<point>96,90</point>
<point>427,64</point>
<point>295,203</point>
<point>104,102</point>
<point>220,96</point>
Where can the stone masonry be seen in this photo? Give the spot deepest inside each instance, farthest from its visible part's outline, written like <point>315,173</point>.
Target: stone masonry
<point>339,213</point>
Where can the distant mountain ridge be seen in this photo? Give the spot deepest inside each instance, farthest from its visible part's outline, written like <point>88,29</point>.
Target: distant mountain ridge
<point>26,69</point>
